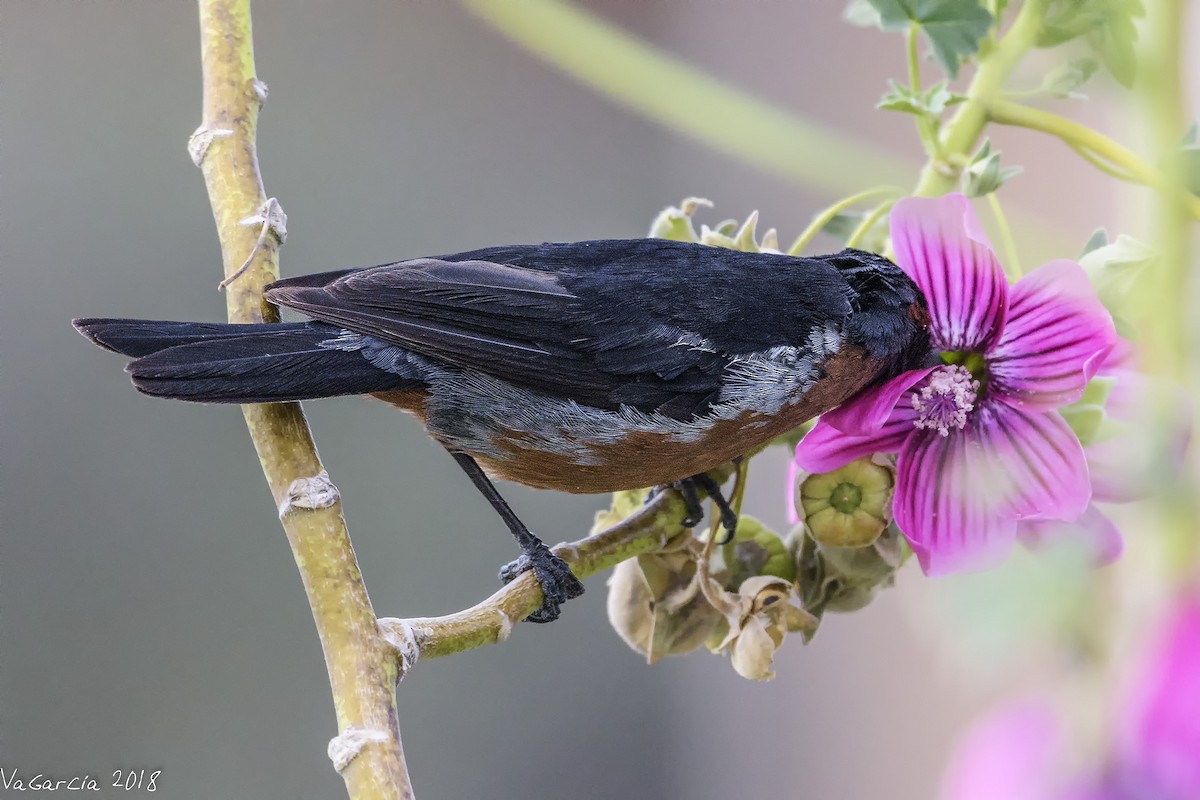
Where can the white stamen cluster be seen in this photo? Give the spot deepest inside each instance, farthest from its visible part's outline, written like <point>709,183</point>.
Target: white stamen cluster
<point>945,400</point>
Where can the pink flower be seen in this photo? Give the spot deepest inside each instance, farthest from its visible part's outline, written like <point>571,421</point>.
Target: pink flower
<point>1158,742</point>
<point>979,444</point>
<point>1022,750</point>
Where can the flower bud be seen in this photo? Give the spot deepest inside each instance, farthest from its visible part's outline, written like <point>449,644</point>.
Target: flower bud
<point>676,223</point>
<point>756,550</point>
<point>846,579</point>
<point>849,507</point>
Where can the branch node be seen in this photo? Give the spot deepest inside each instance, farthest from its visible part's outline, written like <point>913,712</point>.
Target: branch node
<point>201,139</point>
<point>505,628</point>
<point>272,219</point>
<point>346,746</point>
<point>315,492</point>
<point>399,634</point>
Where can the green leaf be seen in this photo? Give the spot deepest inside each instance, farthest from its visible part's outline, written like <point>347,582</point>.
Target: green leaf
<point>1098,239</point>
<point>1115,270</point>
<point>931,102</point>
<point>862,14</point>
<point>840,226</point>
<point>1106,24</point>
<point>984,174</point>
<point>1063,80</point>
<point>955,28</point>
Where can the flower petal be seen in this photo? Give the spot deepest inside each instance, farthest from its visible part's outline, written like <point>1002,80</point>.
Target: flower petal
<point>1015,751</point>
<point>951,522</point>
<point>1037,464</point>
<point>1147,433</point>
<point>942,247</point>
<point>958,497</point>
<point>1159,727</point>
<point>1092,531</point>
<point>870,409</point>
<point>825,448</point>
<point>793,478</point>
<point>1056,337</point>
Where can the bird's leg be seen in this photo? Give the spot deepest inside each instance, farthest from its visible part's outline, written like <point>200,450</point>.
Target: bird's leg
<point>558,583</point>
<point>729,517</point>
<point>695,509</point>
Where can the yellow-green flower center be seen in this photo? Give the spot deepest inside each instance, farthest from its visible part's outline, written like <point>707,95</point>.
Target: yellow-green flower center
<point>846,497</point>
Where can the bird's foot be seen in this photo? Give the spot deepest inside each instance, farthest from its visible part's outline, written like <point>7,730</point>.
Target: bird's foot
<point>558,583</point>
<point>688,488</point>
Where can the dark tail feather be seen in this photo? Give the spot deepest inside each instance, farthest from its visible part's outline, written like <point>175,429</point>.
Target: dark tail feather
<point>141,337</point>
<point>220,363</point>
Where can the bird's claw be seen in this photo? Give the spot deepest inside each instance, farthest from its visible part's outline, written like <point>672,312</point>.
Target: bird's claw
<point>553,574</point>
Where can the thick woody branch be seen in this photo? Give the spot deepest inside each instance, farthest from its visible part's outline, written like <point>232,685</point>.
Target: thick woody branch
<point>362,664</point>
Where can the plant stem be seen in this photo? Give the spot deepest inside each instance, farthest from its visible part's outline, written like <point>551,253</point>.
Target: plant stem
<point>1166,299</point>
<point>868,222</point>
<point>1076,135</point>
<point>823,219</point>
<point>491,621</point>
<point>363,666</point>
<point>958,137</point>
<point>674,94</point>
<point>1013,264</point>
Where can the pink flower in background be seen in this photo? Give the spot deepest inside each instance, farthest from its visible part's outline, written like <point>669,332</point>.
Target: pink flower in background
<point>1158,732</point>
<point>979,444</point>
<point>1021,750</point>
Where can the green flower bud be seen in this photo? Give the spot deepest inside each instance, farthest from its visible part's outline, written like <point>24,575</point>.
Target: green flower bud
<point>756,550</point>
<point>676,223</point>
<point>849,507</point>
<point>845,578</point>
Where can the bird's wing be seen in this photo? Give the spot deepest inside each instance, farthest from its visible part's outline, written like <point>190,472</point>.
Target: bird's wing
<point>521,325</point>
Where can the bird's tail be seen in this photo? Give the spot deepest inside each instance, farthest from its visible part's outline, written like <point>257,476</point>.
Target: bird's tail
<point>223,363</point>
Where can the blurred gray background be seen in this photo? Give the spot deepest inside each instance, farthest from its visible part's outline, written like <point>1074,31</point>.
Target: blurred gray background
<point>151,612</point>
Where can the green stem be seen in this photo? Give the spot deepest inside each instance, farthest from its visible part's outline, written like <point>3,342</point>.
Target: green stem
<point>914,63</point>
<point>674,94</point>
<point>1012,263</point>
<point>363,666</point>
<point>868,222</point>
<point>1102,165</point>
<point>1171,324</point>
<point>1076,135</point>
<point>926,125</point>
<point>959,136</point>
<point>824,218</point>
<point>491,621</point>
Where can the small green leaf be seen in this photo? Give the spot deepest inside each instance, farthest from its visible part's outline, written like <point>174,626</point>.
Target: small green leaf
<point>955,28</point>
<point>984,174</point>
<point>1108,26</point>
<point>1098,239</point>
<point>1116,268</point>
<point>931,102</point>
<point>862,14</point>
<point>746,239</point>
<point>1063,80</point>
<point>841,225</point>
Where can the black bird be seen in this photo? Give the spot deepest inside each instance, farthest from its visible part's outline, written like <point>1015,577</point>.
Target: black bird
<point>585,367</point>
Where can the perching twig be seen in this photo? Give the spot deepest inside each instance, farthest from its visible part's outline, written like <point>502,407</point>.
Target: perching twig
<point>363,663</point>
<point>491,621</point>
